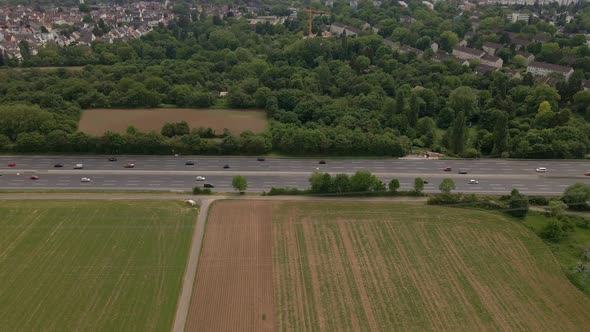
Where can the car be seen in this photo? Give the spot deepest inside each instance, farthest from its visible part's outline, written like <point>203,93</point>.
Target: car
<point>447,169</point>
<point>129,165</point>
<point>541,170</point>
<point>208,185</point>
<point>425,182</point>
<point>34,177</point>
<point>58,165</point>
<point>200,178</point>
<point>260,159</point>
<point>226,166</point>
<point>11,164</point>
<point>322,162</point>
<point>112,159</point>
<point>462,172</point>
<point>189,163</point>
<point>473,182</point>
<point>79,166</point>
<point>85,180</point>
<point>587,173</point>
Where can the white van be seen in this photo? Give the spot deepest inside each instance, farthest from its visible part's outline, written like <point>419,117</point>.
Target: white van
<point>78,166</point>
<point>541,170</point>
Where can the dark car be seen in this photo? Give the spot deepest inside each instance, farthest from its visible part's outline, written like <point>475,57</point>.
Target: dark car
<point>208,185</point>
<point>226,166</point>
<point>425,182</point>
<point>58,165</point>
<point>112,159</point>
<point>447,169</point>
<point>11,164</point>
<point>462,172</point>
<point>189,163</point>
<point>34,177</point>
<point>587,173</point>
<point>261,159</point>
<point>322,162</point>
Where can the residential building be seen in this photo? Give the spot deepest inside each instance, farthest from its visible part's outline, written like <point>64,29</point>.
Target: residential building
<point>545,69</point>
<point>528,56</point>
<point>586,85</point>
<point>466,53</point>
<point>491,48</point>
<point>483,69</point>
<point>514,17</point>
<point>492,61</point>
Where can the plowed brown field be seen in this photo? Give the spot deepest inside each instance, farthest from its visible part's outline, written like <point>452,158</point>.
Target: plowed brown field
<point>355,266</point>
<point>234,283</point>
<point>98,121</point>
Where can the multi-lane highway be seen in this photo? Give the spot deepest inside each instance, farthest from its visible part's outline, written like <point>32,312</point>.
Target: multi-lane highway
<point>171,173</point>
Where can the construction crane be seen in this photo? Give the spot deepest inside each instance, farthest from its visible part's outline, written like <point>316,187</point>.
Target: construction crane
<point>310,12</point>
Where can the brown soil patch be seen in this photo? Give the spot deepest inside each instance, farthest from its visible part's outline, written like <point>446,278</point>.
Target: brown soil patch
<point>98,121</point>
<point>234,284</point>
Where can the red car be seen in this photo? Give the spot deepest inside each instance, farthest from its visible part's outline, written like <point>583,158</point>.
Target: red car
<point>447,169</point>
<point>587,173</point>
<point>129,165</point>
<point>34,177</point>
<point>11,164</point>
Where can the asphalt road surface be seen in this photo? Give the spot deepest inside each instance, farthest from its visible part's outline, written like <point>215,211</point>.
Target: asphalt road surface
<point>171,173</point>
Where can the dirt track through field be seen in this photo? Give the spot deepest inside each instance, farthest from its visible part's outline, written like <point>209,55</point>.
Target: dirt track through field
<point>234,285</point>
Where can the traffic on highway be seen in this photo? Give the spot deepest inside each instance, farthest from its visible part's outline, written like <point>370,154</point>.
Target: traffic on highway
<point>183,173</point>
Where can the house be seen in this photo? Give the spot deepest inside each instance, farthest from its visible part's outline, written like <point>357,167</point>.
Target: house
<point>514,17</point>
<point>434,47</point>
<point>586,85</point>
<point>351,31</point>
<point>403,4</point>
<point>492,61</point>
<point>337,29</point>
<point>409,49</point>
<point>428,5</point>
<point>491,48</point>
<point>514,74</point>
<point>466,53</point>
<point>545,69</point>
<point>528,56</point>
<point>482,69</point>
<point>463,43</point>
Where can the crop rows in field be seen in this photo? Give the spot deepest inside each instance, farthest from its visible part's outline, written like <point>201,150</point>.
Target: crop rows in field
<point>389,267</point>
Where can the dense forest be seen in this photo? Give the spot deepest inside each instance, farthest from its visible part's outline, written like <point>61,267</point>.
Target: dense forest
<point>339,96</point>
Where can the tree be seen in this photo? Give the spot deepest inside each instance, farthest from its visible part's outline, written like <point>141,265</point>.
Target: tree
<point>577,197</point>
<point>446,186</point>
<point>545,117</point>
<point>458,134</point>
<point>464,99</point>
<point>518,205</point>
<point>320,183</point>
<point>555,208</point>
<point>500,133</point>
<point>393,185</point>
<point>363,181</point>
<point>341,183</point>
<point>448,40</point>
<point>553,231</point>
<point>418,185</point>
<point>239,183</point>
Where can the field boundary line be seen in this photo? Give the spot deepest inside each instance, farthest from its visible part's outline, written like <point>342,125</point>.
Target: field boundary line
<point>190,273</point>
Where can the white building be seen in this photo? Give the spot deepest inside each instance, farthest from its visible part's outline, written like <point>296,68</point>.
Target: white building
<point>545,69</point>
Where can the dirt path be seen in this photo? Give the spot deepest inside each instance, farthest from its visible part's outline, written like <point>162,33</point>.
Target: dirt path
<point>191,269</point>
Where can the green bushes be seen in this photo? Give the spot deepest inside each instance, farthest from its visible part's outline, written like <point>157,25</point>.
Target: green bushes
<point>201,191</point>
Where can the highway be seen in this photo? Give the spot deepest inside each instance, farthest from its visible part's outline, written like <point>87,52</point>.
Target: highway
<point>171,173</point>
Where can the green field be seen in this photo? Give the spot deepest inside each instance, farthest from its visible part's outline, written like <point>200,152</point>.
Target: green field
<point>92,265</point>
<point>381,266</point>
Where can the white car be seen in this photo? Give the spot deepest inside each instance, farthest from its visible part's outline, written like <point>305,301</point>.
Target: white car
<point>473,182</point>
<point>541,170</point>
<point>200,178</point>
<point>79,166</point>
<point>85,180</point>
